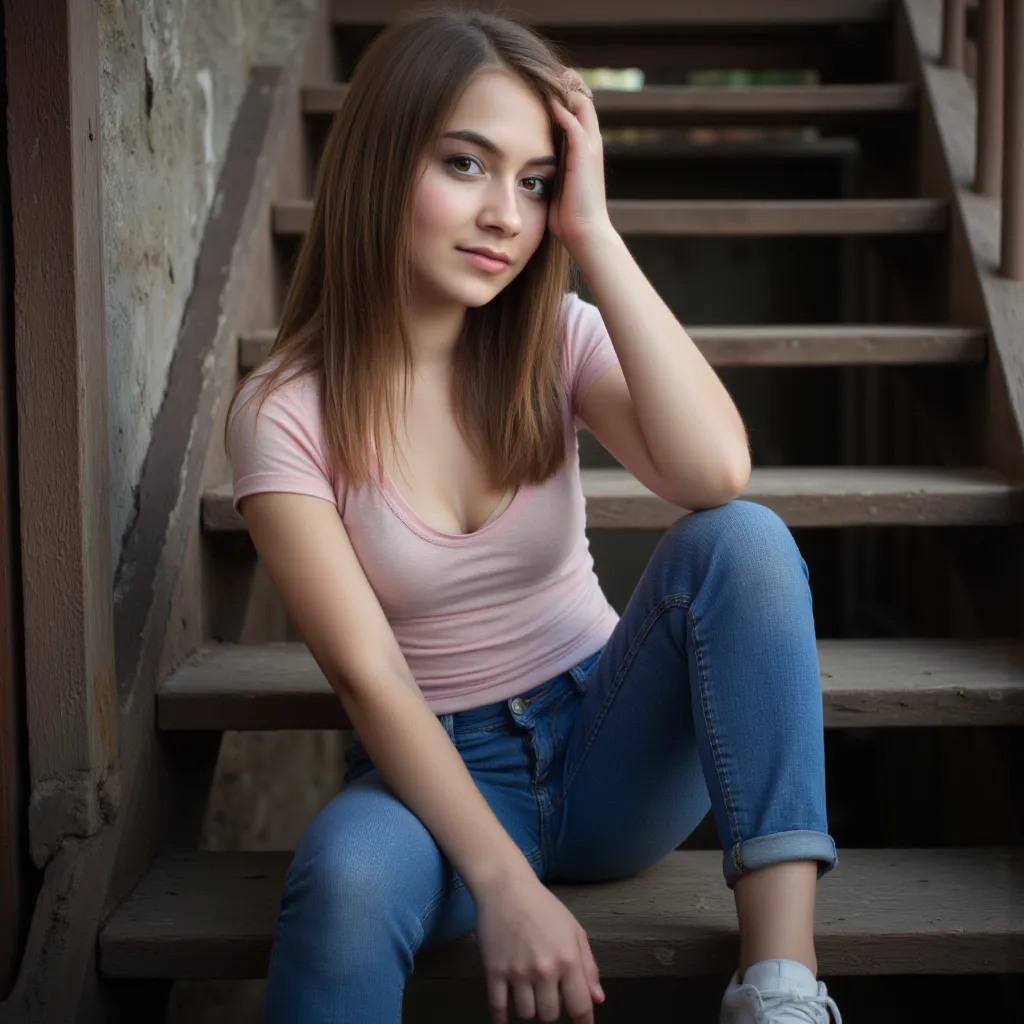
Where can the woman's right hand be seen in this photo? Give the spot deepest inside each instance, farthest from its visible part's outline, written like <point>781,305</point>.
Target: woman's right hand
<point>531,943</point>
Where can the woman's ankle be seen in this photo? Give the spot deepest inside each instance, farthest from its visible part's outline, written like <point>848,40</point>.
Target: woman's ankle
<point>775,908</point>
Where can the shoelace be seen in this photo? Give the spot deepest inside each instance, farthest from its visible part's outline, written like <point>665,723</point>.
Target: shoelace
<point>814,1009</point>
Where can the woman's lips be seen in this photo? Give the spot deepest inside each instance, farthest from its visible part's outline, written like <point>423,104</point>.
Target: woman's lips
<point>492,266</point>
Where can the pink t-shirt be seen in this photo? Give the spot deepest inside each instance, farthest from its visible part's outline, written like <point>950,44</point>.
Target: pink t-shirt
<point>480,617</point>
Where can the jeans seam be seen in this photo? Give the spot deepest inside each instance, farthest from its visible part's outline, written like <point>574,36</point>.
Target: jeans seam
<point>543,825</point>
<point>707,710</point>
<point>672,601</point>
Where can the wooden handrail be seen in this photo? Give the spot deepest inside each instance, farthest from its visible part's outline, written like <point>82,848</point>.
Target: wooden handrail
<point>989,137</point>
<point>999,149</point>
<point>954,33</point>
<point>1012,265</point>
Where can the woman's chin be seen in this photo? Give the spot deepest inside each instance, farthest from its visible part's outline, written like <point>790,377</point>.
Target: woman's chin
<point>476,294</point>
<point>468,293</point>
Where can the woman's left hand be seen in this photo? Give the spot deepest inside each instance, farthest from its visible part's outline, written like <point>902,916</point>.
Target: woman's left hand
<point>580,213</point>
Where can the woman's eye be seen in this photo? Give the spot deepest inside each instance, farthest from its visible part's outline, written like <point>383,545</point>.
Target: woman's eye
<point>539,185</point>
<point>459,163</point>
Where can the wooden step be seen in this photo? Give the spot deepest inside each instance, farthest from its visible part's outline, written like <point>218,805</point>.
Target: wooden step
<point>210,915</point>
<point>817,496</point>
<point>678,217</point>
<point>864,683</point>
<point>786,345</point>
<point>691,105</point>
<point>659,13</point>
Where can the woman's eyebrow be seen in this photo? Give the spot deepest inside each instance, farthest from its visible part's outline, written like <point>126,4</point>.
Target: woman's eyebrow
<point>467,135</point>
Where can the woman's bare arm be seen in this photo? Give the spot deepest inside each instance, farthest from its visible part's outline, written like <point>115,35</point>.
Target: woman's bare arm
<point>306,551</point>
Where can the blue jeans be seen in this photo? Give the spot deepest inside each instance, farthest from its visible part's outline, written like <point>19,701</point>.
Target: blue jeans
<point>706,694</point>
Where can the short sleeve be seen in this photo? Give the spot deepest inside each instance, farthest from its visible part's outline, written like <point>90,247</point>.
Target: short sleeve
<point>589,347</point>
<point>283,448</point>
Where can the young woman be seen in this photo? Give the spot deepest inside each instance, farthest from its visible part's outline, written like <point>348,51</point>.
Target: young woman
<point>406,462</point>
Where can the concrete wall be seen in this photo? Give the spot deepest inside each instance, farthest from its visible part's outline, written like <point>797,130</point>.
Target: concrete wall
<point>172,75</point>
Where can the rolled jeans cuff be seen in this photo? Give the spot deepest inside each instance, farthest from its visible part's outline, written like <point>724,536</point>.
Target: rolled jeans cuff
<point>799,844</point>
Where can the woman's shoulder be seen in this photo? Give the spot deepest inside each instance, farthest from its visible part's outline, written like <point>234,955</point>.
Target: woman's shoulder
<point>289,406</point>
<point>276,439</point>
<point>296,391</point>
<point>572,306</point>
<point>583,325</point>
<point>579,317</point>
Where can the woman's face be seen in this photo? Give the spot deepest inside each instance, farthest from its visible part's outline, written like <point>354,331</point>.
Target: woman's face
<point>485,186</point>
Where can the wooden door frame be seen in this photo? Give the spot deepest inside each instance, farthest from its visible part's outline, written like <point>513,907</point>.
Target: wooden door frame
<point>17,881</point>
<point>56,483</point>
<point>60,346</point>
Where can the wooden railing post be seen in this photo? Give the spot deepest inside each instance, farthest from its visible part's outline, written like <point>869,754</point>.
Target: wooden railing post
<point>60,349</point>
<point>1013,143</point>
<point>954,33</point>
<point>989,137</point>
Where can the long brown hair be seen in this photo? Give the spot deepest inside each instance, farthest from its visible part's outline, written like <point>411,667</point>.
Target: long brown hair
<point>345,314</point>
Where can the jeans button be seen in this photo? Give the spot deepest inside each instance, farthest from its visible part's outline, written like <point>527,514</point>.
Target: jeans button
<point>518,705</point>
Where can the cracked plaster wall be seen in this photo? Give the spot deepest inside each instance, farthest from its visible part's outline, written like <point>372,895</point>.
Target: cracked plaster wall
<point>173,73</point>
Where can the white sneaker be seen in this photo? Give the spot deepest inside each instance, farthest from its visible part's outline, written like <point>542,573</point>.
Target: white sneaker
<point>778,992</point>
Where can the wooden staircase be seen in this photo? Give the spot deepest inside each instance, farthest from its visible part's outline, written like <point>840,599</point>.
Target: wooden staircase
<point>910,511</point>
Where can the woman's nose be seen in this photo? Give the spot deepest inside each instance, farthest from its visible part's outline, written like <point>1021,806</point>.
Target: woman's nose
<point>502,210</point>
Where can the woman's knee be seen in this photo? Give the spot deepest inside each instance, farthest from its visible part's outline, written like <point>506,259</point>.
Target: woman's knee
<point>743,533</point>
<point>358,870</point>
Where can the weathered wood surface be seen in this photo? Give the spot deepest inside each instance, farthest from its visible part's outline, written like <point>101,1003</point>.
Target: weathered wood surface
<point>682,49</point>
<point>975,241</point>
<point>881,912</point>
<point>60,358</point>
<point>15,890</point>
<point>864,683</point>
<point>660,13</point>
<point>803,496</point>
<point>690,105</point>
<point>774,217</point>
<point>796,345</point>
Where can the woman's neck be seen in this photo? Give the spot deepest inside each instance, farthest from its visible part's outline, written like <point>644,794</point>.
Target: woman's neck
<point>434,333</point>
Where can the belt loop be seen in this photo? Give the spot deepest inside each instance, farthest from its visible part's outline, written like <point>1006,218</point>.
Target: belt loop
<point>448,723</point>
<point>580,672</point>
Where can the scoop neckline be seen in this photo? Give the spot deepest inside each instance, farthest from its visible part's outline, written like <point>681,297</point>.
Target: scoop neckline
<point>420,526</point>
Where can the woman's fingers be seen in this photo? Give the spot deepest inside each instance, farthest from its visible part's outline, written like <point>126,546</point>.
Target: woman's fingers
<point>574,81</point>
<point>549,1001</point>
<point>497,998</point>
<point>582,108</point>
<point>526,1004</point>
<point>590,968</point>
<point>565,117</point>
<point>580,101</point>
<point>579,1003</point>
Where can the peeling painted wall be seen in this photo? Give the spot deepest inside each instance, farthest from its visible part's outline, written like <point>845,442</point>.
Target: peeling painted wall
<point>173,73</point>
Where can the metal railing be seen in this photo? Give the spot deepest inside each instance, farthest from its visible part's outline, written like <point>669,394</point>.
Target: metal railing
<point>999,157</point>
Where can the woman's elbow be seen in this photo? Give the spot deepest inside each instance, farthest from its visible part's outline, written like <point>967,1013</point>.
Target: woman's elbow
<point>736,475</point>
<point>726,482</point>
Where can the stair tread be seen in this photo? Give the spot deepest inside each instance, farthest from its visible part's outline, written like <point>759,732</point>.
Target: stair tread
<point>882,911</point>
<point>801,495</point>
<point>787,345</point>
<point>865,683</point>
<point>662,104</point>
<point>661,13</point>
<point>744,217</point>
